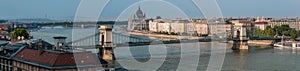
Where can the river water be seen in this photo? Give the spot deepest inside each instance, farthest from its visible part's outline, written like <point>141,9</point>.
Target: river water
<point>193,56</point>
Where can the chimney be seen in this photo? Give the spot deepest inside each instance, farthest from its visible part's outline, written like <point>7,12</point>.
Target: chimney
<point>60,43</point>
<point>40,47</point>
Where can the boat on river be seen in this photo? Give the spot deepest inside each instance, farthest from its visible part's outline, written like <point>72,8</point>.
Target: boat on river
<point>288,44</point>
<point>279,44</point>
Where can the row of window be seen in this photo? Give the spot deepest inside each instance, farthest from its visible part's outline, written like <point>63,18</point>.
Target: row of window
<point>26,67</point>
<point>5,61</point>
<point>6,65</point>
<point>6,68</point>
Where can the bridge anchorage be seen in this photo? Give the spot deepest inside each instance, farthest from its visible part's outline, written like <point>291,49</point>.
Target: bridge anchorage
<point>240,39</point>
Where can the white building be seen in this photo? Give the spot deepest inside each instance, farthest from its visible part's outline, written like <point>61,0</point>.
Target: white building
<point>261,25</point>
<point>218,28</point>
<point>177,26</point>
<point>202,29</point>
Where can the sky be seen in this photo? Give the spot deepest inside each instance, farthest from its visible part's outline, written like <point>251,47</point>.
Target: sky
<point>122,9</point>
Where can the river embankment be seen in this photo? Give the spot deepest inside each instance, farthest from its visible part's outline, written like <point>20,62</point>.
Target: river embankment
<point>163,36</point>
<point>261,42</point>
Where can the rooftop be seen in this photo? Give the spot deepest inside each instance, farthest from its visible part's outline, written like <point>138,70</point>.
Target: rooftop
<point>261,22</point>
<point>51,59</point>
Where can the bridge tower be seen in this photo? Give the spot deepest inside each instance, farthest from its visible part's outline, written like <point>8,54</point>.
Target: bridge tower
<point>106,49</point>
<point>240,39</point>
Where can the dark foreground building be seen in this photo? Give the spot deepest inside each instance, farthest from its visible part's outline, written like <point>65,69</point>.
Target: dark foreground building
<point>38,60</point>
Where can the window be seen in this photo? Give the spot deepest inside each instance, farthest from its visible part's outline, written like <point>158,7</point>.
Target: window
<point>32,68</point>
<point>19,69</point>
<point>9,63</point>
<point>83,69</point>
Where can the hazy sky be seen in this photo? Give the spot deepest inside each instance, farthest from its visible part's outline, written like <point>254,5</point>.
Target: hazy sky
<point>66,9</point>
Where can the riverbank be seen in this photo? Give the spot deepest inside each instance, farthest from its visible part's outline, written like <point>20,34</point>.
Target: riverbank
<point>176,37</point>
<point>163,36</point>
<point>261,42</point>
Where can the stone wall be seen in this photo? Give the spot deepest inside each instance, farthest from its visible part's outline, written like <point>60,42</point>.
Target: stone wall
<point>261,42</point>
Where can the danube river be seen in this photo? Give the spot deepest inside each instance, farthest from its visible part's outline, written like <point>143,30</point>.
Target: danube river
<point>192,56</point>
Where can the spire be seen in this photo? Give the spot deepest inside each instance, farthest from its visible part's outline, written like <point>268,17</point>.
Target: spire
<point>139,13</point>
<point>46,15</point>
<point>134,16</point>
<point>139,7</point>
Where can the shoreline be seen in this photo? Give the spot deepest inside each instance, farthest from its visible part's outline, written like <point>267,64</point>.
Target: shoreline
<point>162,36</point>
<point>261,42</point>
<point>176,37</point>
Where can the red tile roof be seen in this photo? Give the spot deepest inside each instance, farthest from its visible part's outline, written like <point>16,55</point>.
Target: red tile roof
<point>57,59</point>
<point>3,27</point>
<point>261,22</point>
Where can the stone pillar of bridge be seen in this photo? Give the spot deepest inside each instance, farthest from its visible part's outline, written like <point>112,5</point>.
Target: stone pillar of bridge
<point>106,50</point>
<point>240,39</point>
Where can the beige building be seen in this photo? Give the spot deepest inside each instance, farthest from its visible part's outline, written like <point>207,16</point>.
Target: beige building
<point>175,26</point>
<point>153,26</point>
<point>202,29</point>
<point>164,27</point>
<point>218,29</point>
<point>261,25</point>
<point>292,23</point>
<point>191,28</point>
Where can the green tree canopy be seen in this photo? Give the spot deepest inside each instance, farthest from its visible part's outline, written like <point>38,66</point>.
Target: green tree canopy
<point>277,30</point>
<point>294,34</point>
<point>20,32</point>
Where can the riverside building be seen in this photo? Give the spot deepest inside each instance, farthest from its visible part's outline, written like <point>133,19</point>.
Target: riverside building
<point>138,22</point>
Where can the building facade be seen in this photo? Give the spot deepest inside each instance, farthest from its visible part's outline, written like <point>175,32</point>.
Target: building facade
<point>138,22</point>
<point>182,27</point>
<point>202,29</point>
<point>293,23</point>
<point>187,27</point>
<point>6,56</point>
<point>261,25</point>
<point>220,29</point>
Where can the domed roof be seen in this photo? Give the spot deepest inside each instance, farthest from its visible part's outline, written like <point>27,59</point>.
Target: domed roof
<point>139,13</point>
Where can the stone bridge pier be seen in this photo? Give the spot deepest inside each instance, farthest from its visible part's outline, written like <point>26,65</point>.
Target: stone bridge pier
<point>106,49</point>
<point>240,39</point>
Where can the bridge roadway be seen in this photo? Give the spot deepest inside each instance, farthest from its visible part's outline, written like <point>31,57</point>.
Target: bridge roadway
<point>157,43</point>
<point>145,43</point>
<point>123,40</point>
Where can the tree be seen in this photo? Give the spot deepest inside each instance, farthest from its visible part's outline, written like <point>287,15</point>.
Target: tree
<point>294,34</point>
<point>20,32</point>
<point>204,35</point>
<point>257,33</point>
<point>172,33</point>
<point>285,33</point>
<point>278,30</point>
<point>269,31</point>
